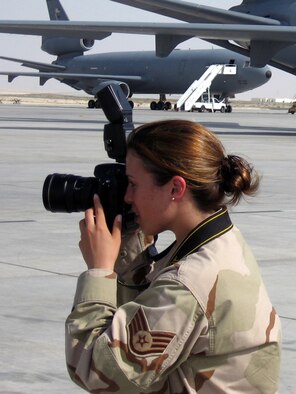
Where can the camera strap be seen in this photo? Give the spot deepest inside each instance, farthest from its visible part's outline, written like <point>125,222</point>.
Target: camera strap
<point>209,229</point>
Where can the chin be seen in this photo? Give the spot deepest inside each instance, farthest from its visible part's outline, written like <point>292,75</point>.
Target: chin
<point>144,228</point>
<point>148,230</point>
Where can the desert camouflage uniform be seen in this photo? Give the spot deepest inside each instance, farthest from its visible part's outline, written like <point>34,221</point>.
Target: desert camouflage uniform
<point>202,324</point>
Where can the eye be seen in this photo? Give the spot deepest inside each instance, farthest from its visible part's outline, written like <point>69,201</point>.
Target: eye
<point>131,184</point>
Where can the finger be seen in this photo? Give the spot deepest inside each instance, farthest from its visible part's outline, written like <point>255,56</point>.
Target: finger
<point>82,225</point>
<point>99,211</point>
<point>89,217</point>
<point>97,202</point>
<point>116,229</point>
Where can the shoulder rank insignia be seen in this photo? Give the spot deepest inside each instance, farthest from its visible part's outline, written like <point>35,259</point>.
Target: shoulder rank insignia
<point>144,342</point>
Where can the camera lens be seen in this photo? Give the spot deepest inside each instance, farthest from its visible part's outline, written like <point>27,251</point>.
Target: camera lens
<point>68,193</point>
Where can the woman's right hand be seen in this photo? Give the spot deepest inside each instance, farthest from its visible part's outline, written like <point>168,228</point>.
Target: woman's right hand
<point>99,246</point>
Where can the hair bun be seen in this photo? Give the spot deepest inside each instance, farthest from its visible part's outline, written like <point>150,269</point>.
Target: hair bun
<point>227,168</point>
<point>237,177</point>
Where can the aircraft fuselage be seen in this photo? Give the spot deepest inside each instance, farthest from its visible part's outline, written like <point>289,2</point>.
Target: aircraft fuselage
<point>173,74</point>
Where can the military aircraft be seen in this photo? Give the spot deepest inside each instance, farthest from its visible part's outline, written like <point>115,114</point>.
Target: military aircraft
<point>264,30</point>
<point>135,72</point>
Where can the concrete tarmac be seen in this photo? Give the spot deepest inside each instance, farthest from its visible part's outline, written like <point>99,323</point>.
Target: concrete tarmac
<point>39,255</point>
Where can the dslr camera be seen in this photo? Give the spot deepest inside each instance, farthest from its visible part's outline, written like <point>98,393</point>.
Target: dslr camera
<point>73,193</point>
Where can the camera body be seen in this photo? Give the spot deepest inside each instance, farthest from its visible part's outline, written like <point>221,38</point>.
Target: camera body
<point>73,193</point>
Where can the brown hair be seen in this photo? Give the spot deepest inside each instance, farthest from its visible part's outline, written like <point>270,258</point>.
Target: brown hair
<point>188,149</point>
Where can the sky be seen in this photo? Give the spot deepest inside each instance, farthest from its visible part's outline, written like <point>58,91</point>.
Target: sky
<point>281,85</point>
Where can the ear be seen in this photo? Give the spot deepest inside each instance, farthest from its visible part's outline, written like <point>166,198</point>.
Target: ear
<point>179,187</point>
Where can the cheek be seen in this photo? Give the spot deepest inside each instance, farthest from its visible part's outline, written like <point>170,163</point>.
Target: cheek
<point>153,200</point>
<point>145,199</point>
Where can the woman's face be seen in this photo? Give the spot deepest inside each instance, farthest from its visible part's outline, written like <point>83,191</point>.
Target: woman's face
<point>149,201</point>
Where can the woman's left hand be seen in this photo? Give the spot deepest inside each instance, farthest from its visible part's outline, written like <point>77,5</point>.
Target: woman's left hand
<point>98,246</point>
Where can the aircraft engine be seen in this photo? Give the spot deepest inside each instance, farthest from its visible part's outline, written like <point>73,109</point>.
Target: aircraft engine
<point>59,46</point>
<point>96,102</point>
<point>124,86</point>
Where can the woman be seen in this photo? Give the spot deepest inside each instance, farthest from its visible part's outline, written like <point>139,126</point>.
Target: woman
<point>194,319</point>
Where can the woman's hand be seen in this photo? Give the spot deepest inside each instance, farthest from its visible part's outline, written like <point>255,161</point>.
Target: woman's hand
<point>98,246</point>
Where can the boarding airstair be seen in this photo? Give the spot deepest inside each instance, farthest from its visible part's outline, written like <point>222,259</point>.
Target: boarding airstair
<point>198,87</point>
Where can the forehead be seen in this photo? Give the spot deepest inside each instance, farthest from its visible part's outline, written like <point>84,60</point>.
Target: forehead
<point>134,164</point>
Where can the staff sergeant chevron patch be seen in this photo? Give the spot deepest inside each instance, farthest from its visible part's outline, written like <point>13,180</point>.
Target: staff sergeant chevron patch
<point>144,342</point>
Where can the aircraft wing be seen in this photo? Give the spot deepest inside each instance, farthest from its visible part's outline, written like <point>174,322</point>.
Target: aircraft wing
<point>258,37</point>
<point>37,65</point>
<point>47,75</point>
<point>168,35</point>
<point>48,70</point>
<point>195,13</point>
<point>202,30</point>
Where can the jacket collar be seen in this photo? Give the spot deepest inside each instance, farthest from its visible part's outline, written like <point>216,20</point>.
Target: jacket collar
<point>209,229</point>
<point>212,227</point>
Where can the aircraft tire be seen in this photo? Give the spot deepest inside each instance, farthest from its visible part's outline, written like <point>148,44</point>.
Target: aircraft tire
<point>222,109</point>
<point>160,106</point>
<point>202,109</point>
<point>91,104</point>
<point>229,108</point>
<point>153,105</point>
<point>167,105</point>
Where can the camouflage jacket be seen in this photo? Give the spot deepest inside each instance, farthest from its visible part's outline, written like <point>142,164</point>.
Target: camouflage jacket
<point>195,320</point>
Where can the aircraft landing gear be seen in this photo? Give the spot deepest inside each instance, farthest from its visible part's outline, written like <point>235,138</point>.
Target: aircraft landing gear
<point>94,104</point>
<point>161,105</point>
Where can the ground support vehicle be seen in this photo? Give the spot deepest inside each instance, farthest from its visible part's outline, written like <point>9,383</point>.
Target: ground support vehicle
<point>212,105</point>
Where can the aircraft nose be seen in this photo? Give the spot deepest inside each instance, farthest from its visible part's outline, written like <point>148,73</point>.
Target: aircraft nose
<point>268,74</point>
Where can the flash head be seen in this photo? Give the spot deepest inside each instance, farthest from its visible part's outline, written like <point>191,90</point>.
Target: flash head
<point>115,105</point>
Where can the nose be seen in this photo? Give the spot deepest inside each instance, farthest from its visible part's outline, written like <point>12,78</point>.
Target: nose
<point>127,196</point>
